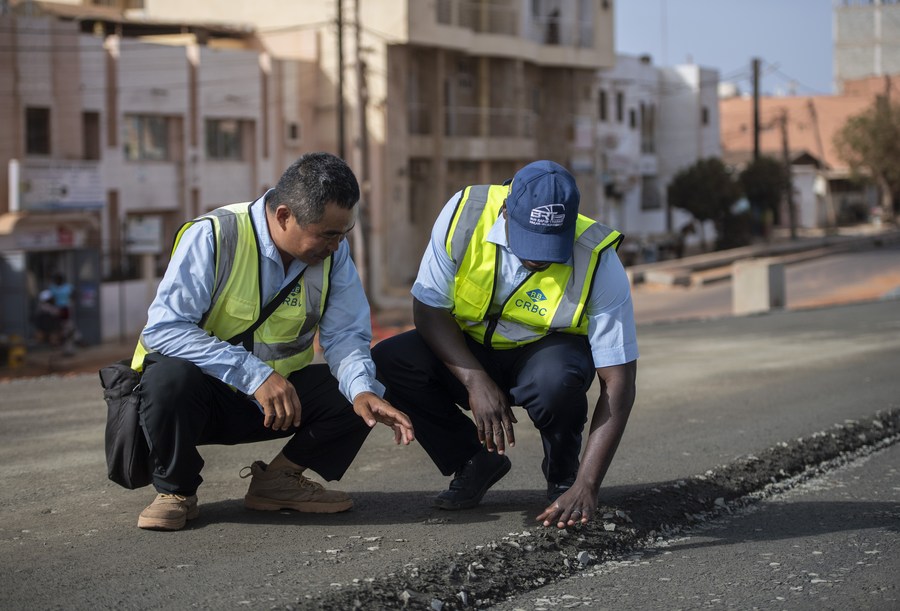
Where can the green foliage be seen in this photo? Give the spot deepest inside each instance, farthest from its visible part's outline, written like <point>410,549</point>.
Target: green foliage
<point>764,182</point>
<point>706,190</point>
<point>870,144</point>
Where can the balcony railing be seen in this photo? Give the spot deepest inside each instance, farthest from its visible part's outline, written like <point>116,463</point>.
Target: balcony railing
<point>488,18</point>
<point>501,17</point>
<point>466,122</point>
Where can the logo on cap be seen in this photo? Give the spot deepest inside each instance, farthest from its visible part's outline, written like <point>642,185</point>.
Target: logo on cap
<point>536,295</point>
<point>551,215</point>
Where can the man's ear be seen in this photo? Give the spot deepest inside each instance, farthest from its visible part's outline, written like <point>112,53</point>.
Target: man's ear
<point>503,208</point>
<point>282,215</point>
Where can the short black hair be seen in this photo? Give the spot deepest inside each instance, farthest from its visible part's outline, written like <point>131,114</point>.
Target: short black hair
<point>312,182</point>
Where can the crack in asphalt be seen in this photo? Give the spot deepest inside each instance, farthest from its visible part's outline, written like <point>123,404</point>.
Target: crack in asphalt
<point>521,562</point>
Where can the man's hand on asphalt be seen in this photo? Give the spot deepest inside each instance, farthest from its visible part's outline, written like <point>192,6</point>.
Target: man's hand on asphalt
<point>576,505</point>
<point>279,402</point>
<point>372,408</point>
<point>492,415</point>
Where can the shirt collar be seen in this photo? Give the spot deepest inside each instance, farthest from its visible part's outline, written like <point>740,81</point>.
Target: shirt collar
<point>258,214</point>
<point>497,235</point>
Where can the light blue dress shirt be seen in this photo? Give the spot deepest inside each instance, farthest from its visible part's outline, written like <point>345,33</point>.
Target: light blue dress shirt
<point>185,292</point>
<point>609,310</point>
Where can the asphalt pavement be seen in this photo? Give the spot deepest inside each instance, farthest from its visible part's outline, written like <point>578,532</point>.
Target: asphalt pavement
<point>830,543</point>
<point>755,443</point>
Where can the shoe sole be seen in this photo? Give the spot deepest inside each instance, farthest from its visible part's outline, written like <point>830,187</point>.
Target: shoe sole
<point>498,475</point>
<point>258,503</point>
<point>163,524</point>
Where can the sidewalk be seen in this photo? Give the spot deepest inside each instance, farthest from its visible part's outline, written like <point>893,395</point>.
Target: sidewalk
<point>657,278</point>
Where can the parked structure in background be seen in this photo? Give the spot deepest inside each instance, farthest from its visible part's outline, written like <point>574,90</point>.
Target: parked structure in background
<point>866,40</point>
<point>139,114</point>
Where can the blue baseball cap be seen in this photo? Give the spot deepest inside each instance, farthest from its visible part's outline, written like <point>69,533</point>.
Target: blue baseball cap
<point>542,208</point>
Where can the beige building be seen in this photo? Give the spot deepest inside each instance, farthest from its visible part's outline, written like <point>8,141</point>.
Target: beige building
<point>119,131</point>
<point>436,95</point>
<point>422,97</point>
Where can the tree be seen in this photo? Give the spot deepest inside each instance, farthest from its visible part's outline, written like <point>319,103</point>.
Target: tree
<point>707,191</point>
<point>764,182</point>
<point>870,144</point>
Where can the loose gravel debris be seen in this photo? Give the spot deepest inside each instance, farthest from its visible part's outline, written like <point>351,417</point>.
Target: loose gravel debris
<point>520,562</point>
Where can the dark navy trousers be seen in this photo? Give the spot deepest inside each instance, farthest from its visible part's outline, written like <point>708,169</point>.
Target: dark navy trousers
<point>182,408</point>
<point>549,378</point>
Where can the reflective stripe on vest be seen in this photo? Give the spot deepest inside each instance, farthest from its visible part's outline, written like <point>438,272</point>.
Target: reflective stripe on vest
<point>546,301</point>
<point>237,300</point>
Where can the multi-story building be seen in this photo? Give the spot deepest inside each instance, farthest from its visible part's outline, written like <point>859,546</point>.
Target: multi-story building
<point>115,140</point>
<point>866,39</point>
<point>422,97</point>
<point>436,94</point>
<point>651,123</point>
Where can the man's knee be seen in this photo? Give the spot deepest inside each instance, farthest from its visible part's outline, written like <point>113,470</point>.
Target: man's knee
<point>399,351</point>
<point>166,379</point>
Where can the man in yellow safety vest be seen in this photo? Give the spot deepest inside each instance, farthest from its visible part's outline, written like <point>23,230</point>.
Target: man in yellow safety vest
<point>226,353</point>
<point>519,300</point>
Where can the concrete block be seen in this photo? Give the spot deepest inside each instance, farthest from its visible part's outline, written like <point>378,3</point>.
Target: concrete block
<point>757,285</point>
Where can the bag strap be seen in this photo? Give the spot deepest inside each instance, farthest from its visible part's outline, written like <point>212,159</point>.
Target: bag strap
<point>245,337</point>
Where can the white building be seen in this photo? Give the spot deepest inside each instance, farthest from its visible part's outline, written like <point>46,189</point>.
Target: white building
<point>651,123</point>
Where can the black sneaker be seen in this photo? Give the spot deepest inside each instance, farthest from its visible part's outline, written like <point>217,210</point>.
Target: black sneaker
<point>557,489</point>
<point>471,482</point>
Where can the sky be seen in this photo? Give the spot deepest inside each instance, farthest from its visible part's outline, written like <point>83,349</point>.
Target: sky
<point>792,38</point>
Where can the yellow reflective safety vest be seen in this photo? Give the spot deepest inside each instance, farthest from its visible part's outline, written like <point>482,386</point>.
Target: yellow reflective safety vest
<point>544,302</point>
<point>285,340</point>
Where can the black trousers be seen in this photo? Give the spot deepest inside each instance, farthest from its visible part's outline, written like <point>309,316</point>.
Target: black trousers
<point>549,378</point>
<point>182,408</point>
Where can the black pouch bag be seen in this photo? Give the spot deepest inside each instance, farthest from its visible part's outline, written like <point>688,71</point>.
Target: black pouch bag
<point>128,461</point>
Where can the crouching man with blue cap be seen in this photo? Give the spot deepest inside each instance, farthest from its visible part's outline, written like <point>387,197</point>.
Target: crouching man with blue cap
<point>518,301</point>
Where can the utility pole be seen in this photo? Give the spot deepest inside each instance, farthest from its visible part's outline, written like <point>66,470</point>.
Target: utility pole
<point>756,127</point>
<point>361,233</point>
<point>830,215</point>
<point>789,194</point>
<point>340,78</point>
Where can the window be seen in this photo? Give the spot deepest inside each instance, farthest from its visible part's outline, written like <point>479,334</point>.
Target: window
<point>223,140</point>
<point>650,199</point>
<point>704,116</point>
<point>90,133</point>
<point>632,118</point>
<point>37,131</point>
<point>293,131</point>
<point>620,107</point>
<point>648,127</point>
<point>146,138</point>
<point>122,5</point>
<point>603,106</point>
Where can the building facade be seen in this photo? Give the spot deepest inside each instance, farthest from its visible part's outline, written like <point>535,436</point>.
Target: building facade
<point>866,39</point>
<point>424,97</point>
<point>116,141</point>
<point>651,123</point>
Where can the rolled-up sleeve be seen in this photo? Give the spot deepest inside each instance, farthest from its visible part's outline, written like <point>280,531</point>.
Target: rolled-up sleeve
<point>610,311</point>
<point>437,273</point>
